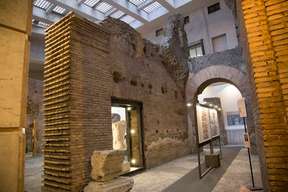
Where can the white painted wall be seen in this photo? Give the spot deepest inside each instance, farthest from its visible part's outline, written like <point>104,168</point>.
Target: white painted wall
<point>228,94</point>
<point>206,26</point>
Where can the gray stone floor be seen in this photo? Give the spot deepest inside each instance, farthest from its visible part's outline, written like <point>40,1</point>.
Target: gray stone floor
<point>159,178</point>
<point>238,174</point>
<point>176,176</point>
<point>33,172</point>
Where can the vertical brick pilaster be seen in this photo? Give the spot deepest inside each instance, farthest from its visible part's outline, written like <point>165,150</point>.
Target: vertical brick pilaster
<point>77,101</point>
<point>266,27</point>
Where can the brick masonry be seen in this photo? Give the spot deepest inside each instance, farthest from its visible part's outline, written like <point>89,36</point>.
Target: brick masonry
<point>35,116</point>
<point>266,24</point>
<point>219,67</point>
<point>85,66</point>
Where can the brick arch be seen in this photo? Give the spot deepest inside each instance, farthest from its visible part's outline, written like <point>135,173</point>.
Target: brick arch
<point>197,82</point>
<point>212,74</point>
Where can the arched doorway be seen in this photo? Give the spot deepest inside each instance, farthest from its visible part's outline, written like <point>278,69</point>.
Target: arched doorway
<point>225,96</point>
<point>197,82</point>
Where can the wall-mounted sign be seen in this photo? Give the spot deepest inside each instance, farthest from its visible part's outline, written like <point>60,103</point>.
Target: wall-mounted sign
<point>207,121</point>
<point>242,107</point>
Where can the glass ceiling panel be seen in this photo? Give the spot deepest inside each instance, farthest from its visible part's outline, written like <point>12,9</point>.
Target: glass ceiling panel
<point>104,7</point>
<point>137,2</point>
<point>152,7</point>
<point>128,19</point>
<point>59,10</point>
<point>91,3</point>
<point>43,4</point>
<point>117,14</point>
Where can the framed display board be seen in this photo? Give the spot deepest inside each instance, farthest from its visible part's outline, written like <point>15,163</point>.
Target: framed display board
<point>207,123</point>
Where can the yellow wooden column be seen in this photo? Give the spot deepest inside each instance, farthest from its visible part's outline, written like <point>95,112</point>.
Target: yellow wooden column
<point>15,27</point>
<point>266,23</point>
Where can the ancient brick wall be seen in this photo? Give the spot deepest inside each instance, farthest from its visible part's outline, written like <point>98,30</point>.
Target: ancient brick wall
<point>35,118</point>
<point>77,93</point>
<point>266,29</point>
<point>141,76</point>
<point>85,66</point>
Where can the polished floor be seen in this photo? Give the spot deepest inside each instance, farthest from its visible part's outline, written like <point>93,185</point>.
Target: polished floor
<point>180,175</point>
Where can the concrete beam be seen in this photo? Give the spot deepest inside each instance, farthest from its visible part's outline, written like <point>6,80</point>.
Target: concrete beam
<point>80,9</point>
<point>129,9</point>
<point>41,15</point>
<point>167,5</point>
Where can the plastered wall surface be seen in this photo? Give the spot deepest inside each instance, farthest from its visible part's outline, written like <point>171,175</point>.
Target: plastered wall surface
<point>15,21</point>
<point>206,26</point>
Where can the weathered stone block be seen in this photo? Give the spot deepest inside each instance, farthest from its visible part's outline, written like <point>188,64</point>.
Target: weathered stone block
<point>106,165</point>
<point>125,167</point>
<point>122,184</point>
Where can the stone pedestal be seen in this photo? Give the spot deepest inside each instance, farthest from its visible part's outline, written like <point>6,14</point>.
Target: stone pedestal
<point>212,160</point>
<point>121,184</point>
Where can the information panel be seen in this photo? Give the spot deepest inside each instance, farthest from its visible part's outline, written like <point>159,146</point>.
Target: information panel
<point>207,121</point>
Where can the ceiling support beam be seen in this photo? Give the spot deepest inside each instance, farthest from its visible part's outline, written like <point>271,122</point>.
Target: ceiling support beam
<point>41,15</point>
<point>130,9</point>
<point>80,9</point>
<point>167,5</point>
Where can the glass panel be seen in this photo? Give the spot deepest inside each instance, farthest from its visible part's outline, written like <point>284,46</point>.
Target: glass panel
<point>117,14</point>
<point>91,3</point>
<point>128,19</point>
<point>59,10</point>
<point>137,2</point>
<point>42,4</point>
<point>104,7</point>
<point>152,7</point>
<point>193,52</point>
<point>199,51</point>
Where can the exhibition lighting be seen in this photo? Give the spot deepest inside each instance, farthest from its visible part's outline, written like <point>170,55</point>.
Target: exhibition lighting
<point>132,131</point>
<point>189,104</point>
<point>133,161</point>
<point>129,108</point>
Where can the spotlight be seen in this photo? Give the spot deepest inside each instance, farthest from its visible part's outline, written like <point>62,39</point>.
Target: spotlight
<point>133,161</point>
<point>132,131</point>
<point>129,108</point>
<point>189,104</point>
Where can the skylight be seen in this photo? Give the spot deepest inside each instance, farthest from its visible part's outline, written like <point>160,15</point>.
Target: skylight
<point>128,19</point>
<point>152,7</point>
<point>91,3</point>
<point>137,2</point>
<point>117,14</point>
<point>43,4</point>
<point>40,23</point>
<point>104,7</point>
<point>59,10</point>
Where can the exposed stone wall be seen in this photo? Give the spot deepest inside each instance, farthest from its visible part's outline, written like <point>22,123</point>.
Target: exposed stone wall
<point>141,76</point>
<point>88,64</point>
<point>35,117</point>
<point>231,57</point>
<point>266,26</point>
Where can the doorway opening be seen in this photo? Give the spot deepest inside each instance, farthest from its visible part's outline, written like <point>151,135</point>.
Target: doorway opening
<point>127,133</point>
<point>225,96</point>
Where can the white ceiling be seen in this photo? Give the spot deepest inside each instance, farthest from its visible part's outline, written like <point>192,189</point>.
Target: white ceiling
<point>142,15</point>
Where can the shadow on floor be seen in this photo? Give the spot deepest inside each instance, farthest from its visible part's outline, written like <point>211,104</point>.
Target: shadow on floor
<point>191,182</point>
